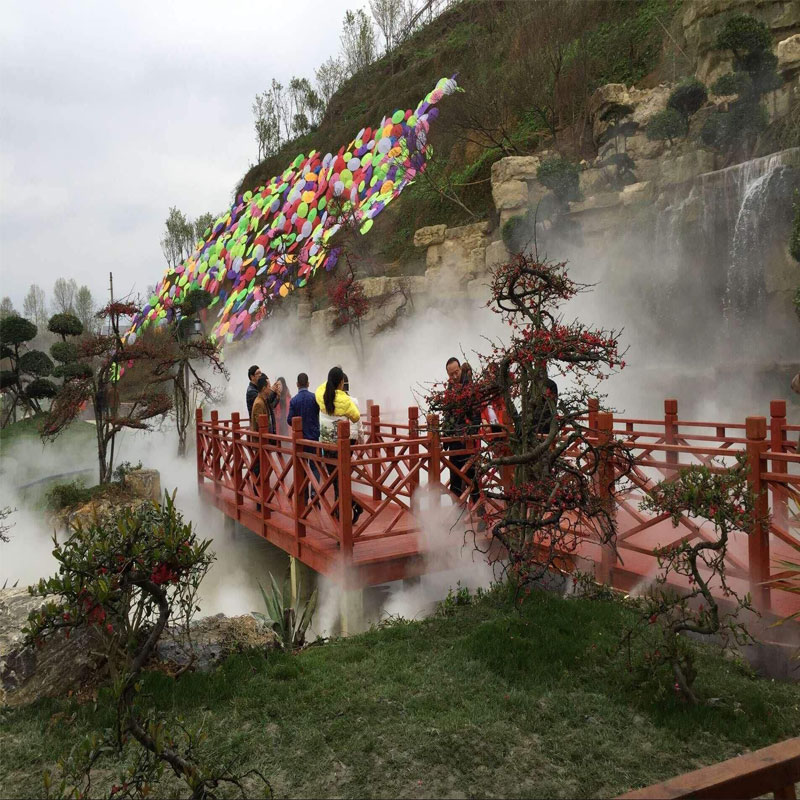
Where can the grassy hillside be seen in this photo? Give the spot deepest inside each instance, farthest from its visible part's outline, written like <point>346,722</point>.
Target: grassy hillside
<point>481,702</point>
<point>527,69</point>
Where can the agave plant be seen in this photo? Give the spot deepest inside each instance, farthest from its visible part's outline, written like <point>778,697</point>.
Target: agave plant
<point>289,624</point>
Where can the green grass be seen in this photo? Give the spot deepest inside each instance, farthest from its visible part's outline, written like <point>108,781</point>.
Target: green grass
<point>486,702</point>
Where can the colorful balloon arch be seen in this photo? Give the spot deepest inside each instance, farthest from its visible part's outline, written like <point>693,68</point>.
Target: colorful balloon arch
<point>274,239</point>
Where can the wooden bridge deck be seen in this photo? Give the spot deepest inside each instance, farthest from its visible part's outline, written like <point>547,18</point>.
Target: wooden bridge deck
<point>396,477</point>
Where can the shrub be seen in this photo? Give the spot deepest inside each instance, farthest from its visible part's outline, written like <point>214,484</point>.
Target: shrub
<point>75,369</point>
<point>7,378</point>
<point>517,232</point>
<point>16,330</point>
<point>64,325</point>
<point>733,83</point>
<point>35,362</point>
<point>745,36</point>
<point>667,124</point>
<point>561,176</point>
<point>40,388</point>
<point>64,352</point>
<point>68,495</point>
<point>688,97</point>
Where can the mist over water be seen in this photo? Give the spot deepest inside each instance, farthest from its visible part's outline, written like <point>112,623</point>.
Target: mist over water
<point>671,286</point>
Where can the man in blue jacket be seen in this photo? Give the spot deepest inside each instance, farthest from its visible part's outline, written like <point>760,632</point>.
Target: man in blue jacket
<point>304,405</point>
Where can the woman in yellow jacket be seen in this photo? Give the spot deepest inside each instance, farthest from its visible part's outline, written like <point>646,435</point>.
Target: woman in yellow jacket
<point>335,404</point>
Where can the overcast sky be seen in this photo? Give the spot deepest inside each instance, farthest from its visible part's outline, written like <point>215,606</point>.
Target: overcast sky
<point>111,112</point>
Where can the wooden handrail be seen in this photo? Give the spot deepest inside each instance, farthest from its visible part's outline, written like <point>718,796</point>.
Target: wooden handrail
<point>773,769</point>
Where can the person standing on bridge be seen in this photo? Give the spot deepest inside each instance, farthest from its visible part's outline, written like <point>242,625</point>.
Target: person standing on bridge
<point>334,406</point>
<point>464,421</point>
<point>282,408</point>
<point>253,374</point>
<point>304,405</point>
<point>260,409</point>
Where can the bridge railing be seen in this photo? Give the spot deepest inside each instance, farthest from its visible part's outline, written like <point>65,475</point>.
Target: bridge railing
<point>258,474</point>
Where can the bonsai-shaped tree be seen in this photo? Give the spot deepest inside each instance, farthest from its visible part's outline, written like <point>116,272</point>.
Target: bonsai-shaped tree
<point>724,498</point>
<point>120,402</point>
<point>688,97</point>
<point>620,127</point>
<point>562,486</point>
<point>121,581</point>
<point>26,381</point>
<point>668,124</point>
<point>754,75</point>
<point>64,325</point>
<point>561,176</point>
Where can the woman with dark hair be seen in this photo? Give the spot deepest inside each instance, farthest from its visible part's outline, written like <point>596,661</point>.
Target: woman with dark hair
<point>282,409</point>
<point>335,406</point>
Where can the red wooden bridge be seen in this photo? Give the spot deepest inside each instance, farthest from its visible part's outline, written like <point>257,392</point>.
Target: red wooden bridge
<point>300,497</point>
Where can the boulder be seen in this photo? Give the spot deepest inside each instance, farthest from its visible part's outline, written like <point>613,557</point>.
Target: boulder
<point>144,483</point>
<point>433,234</point>
<point>686,167</point>
<point>27,673</point>
<point>515,168</point>
<point>638,194</point>
<point>213,639</point>
<point>511,194</point>
<point>788,52</point>
<point>494,255</point>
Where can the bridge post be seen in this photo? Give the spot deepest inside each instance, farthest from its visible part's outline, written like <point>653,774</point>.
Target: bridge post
<point>263,469</point>
<point>344,464</point>
<point>777,439</point>
<point>594,407</point>
<point>758,540</point>
<point>300,481</point>
<point>671,435</point>
<point>374,427</point>
<point>198,421</point>
<point>435,458</point>
<point>605,483</point>
<point>413,449</point>
<point>237,464</point>
<point>216,469</point>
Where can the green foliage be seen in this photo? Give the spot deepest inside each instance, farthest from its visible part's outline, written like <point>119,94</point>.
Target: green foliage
<point>35,362</point>
<point>64,352</point>
<point>40,388</point>
<point>725,130</point>
<point>65,324</point>
<point>733,83</point>
<point>288,623</point>
<point>626,49</point>
<point>745,36</point>
<point>8,377</point>
<point>667,124</point>
<point>196,300</point>
<point>688,97</point>
<point>73,370</point>
<point>68,495</point>
<point>119,581</point>
<point>794,240</point>
<point>16,330</point>
<point>723,498</point>
<point>517,232</point>
<point>124,469</point>
<point>457,598</point>
<point>561,176</point>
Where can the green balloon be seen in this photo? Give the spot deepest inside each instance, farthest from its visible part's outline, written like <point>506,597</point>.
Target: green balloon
<point>302,210</point>
<point>397,118</point>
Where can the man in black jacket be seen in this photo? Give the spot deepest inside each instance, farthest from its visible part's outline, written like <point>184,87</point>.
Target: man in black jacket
<point>467,420</point>
<point>254,373</point>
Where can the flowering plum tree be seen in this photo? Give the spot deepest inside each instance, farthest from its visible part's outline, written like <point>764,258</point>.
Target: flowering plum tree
<point>562,485</point>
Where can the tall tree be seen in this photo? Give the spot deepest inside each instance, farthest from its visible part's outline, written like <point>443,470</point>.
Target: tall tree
<point>358,41</point>
<point>387,15</point>
<point>64,292</point>
<point>178,241</point>
<point>203,223</point>
<point>34,306</point>
<point>266,121</point>
<point>329,76</point>
<point>7,308</point>
<point>84,308</point>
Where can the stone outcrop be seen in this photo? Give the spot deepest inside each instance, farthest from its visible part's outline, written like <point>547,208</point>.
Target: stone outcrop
<point>26,674</point>
<point>63,665</point>
<point>144,483</point>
